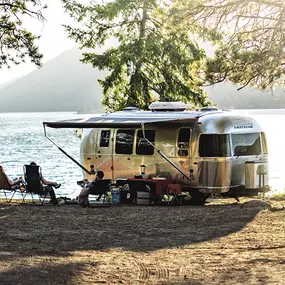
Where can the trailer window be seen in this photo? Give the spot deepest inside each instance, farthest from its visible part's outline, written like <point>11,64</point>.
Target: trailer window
<point>105,138</point>
<point>183,141</point>
<point>264,143</point>
<point>214,145</point>
<point>143,147</point>
<point>124,141</point>
<point>246,144</point>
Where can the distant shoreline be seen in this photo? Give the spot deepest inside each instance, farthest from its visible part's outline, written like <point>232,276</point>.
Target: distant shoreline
<point>100,111</point>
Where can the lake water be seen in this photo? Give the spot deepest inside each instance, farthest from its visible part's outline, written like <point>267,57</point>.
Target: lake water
<point>272,121</point>
<point>22,140</point>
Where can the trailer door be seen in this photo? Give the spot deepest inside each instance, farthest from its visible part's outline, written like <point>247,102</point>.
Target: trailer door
<point>104,152</point>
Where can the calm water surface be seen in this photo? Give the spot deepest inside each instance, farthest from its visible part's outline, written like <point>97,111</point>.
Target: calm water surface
<point>22,140</point>
<point>273,122</point>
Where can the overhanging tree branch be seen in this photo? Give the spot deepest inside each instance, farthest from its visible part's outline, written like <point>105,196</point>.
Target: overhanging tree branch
<point>16,43</point>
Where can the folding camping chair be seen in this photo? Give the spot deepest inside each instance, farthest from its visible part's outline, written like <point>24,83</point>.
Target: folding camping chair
<point>7,188</point>
<point>100,188</point>
<point>175,190</point>
<point>34,184</point>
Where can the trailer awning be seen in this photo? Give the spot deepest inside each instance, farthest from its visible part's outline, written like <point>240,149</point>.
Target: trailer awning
<point>107,121</point>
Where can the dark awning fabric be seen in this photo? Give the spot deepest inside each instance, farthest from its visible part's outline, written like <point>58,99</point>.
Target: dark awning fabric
<point>108,121</point>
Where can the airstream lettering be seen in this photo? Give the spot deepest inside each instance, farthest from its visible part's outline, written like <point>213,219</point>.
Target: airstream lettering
<point>206,151</point>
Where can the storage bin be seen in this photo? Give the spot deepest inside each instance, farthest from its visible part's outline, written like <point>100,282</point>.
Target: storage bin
<point>115,196</point>
<point>144,198</point>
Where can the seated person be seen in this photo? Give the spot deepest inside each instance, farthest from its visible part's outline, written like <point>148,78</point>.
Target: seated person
<point>15,183</point>
<point>84,183</point>
<point>49,187</point>
<point>83,196</point>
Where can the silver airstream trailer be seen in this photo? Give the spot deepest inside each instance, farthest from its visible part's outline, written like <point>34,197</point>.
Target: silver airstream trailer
<point>207,151</point>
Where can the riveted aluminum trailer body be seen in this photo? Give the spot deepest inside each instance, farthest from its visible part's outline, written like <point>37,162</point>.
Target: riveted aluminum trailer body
<point>213,151</point>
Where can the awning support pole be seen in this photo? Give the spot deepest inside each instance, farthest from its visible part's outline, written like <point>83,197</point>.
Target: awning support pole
<point>65,153</point>
<point>162,154</point>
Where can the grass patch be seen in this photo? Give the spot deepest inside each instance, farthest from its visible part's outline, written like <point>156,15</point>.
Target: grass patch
<point>277,196</point>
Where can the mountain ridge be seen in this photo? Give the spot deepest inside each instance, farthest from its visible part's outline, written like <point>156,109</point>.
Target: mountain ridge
<point>62,84</point>
<point>66,84</point>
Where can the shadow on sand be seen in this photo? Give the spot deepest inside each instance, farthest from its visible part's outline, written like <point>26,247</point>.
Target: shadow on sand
<point>30,231</point>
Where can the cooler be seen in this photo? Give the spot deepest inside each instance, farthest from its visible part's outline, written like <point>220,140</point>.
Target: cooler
<point>115,196</point>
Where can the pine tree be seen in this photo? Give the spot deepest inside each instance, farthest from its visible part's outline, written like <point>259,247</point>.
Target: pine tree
<point>149,61</point>
<point>16,42</point>
<point>249,36</point>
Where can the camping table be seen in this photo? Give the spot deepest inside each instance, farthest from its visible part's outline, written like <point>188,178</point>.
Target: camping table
<point>158,186</point>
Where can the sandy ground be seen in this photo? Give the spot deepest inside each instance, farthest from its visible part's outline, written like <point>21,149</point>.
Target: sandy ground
<point>219,243</point>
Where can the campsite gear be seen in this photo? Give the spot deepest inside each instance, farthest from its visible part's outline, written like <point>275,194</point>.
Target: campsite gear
<point>7,188</point>
<point>34,185</point>
<point>116,196</point>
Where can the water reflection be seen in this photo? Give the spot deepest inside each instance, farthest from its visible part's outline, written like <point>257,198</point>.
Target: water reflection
<point>22,141</point>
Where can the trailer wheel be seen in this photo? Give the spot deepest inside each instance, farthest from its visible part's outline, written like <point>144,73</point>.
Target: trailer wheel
<point>198,199</point>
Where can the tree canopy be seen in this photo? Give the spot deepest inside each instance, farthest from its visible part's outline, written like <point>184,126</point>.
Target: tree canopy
<point>16,42</point>
<point>150,61</point>
<point>250,36</point>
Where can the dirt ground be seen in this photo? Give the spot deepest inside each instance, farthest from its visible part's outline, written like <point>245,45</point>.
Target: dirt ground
<point>222,242</point>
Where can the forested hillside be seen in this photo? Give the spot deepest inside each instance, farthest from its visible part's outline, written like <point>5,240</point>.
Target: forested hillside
<point>65,84</point>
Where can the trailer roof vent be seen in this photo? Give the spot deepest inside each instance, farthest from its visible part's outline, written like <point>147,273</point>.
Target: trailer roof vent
<point>168,106</point>
<point>131,109</point>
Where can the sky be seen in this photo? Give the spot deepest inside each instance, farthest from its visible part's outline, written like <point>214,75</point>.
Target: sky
<point>52,43</point>
<point>53,39</point>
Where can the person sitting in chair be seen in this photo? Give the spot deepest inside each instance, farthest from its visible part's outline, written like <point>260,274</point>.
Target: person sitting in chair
<point>83,196</point>
<point>15,183</point>
<point>48,186</point>
<point>84,183</point>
